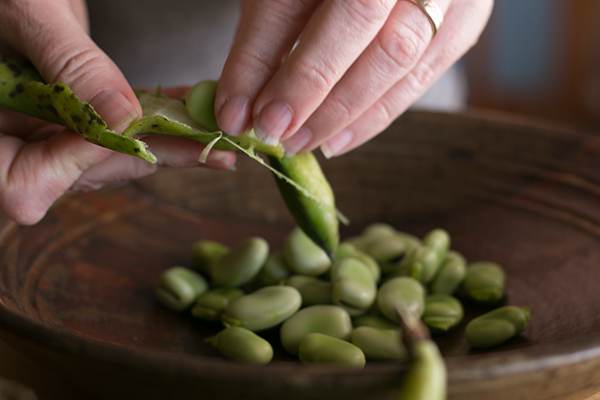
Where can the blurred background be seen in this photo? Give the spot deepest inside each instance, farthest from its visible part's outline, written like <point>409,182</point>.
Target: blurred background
<point>542,58</point>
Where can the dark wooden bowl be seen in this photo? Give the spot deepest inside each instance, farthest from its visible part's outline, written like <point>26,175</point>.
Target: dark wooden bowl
<point>76,290</point>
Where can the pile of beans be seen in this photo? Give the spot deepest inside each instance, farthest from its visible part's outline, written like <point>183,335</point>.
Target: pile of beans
<point>342,312</point>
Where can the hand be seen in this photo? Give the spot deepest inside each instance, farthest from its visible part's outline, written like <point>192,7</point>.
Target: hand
<point>335,73</point>
<point>40,161</point>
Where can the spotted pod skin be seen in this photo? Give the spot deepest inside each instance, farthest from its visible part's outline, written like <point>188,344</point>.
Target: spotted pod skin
<point>315,216</point>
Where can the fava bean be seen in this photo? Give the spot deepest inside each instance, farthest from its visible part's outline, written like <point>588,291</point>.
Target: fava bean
<point>264,308</point>
<point>373,321</point>
<point>450,275</point>
<point>303,255</point>
<point>178,288</point>
<point>200,104</point>
<point>211,305</point>
<point>404,290</point>
<point>313,290</point>
<point>379,344</point>
<point>484,282</point>
<point>204,252</point>
<point>347,250</point>
<point>273,272</point>
<point>317,348</point>
<point>241,344</point>
<point>353,286</point>
<point>326,319</point>
<point>438,240</point>
<point>442,312</point>
<point>497,326</point>
<point>241,264</point>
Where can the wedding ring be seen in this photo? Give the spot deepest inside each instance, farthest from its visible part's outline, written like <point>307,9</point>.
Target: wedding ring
<point>432,11</point>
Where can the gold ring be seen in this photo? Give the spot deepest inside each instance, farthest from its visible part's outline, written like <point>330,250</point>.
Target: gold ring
<point>433,12</point>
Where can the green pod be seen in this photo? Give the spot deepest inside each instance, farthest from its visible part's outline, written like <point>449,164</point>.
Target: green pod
<point>497,326</point>
<point>373,321</point>
<point>200,104</point>
<point>329,320</point>
<point>379,344</point>
<point>273,272</point>
<point>263,309</point>
<point>401,290</point>
<point>317,348</point>
<point>303,255</point>
<point>353,286</point>
<point>316,216</point>
<point>313,290</point>
<point>442,312</point>
<point>204,252</point>
<point>241,264</point>
<point>426,377</point>
<point>178,288</point>
<point>347,250</point>
<point>240,344</point>
<point>450,274</point>
<point>484,283</point>
<point>210,305</point>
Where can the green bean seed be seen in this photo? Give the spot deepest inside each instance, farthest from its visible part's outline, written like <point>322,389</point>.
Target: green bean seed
<point>211,305</point>
<point>303,255</point>
<point>273,272</point>
<point>204,252</point>
<point>241,264</point>
<point>241,344</point>
<point>403,290</point>
<point>373,321</point>
<point>329,320</point>
<point>442,312</point>
<point>347,250</point>
<point>264,308</point>
<point>379,230</point>
<point>484,282</point>
<point>177,288</point>
<point>200,104</point>
<point>353,286</point>
<point>379,344</point>
<point>317,348</point>
<point>316,214</point>
<point>438,240</point>
<point>497,326</point>
<point>313,290</point>
<point>450,275</point>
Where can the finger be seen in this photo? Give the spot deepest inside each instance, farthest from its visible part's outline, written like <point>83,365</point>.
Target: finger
<point>33,176</point>
<point>463,24</point>
<point>266,34</point>
<point>390,56</point>
<point>170,151</point>
<point>52,37</point>
<point>334,38</point>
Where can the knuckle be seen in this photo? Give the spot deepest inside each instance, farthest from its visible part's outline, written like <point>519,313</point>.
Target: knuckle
<point>254,59</point>
<point>318,77</point>
<point>401,45</point>
<point>381,116</point>
<point>366,12</point>
<point>421,77</point>
<point>75,66</point>
<point>340,107</point>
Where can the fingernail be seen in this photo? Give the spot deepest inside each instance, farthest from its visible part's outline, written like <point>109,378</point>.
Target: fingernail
<point>297,142</point>
<point>115,109</point>
<point>272,122</point>
<point>221,160</point>
<point>233,115</point>
<point>337,143</point>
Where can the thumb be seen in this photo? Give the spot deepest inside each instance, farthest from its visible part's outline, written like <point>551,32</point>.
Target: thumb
<point>55,40</point>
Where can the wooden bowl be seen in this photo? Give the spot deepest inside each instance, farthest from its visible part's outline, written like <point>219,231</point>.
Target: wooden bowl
<point>76,290</point>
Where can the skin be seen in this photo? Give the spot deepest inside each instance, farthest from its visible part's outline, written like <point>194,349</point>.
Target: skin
<point>357,67</point>
<point>40,161</point>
